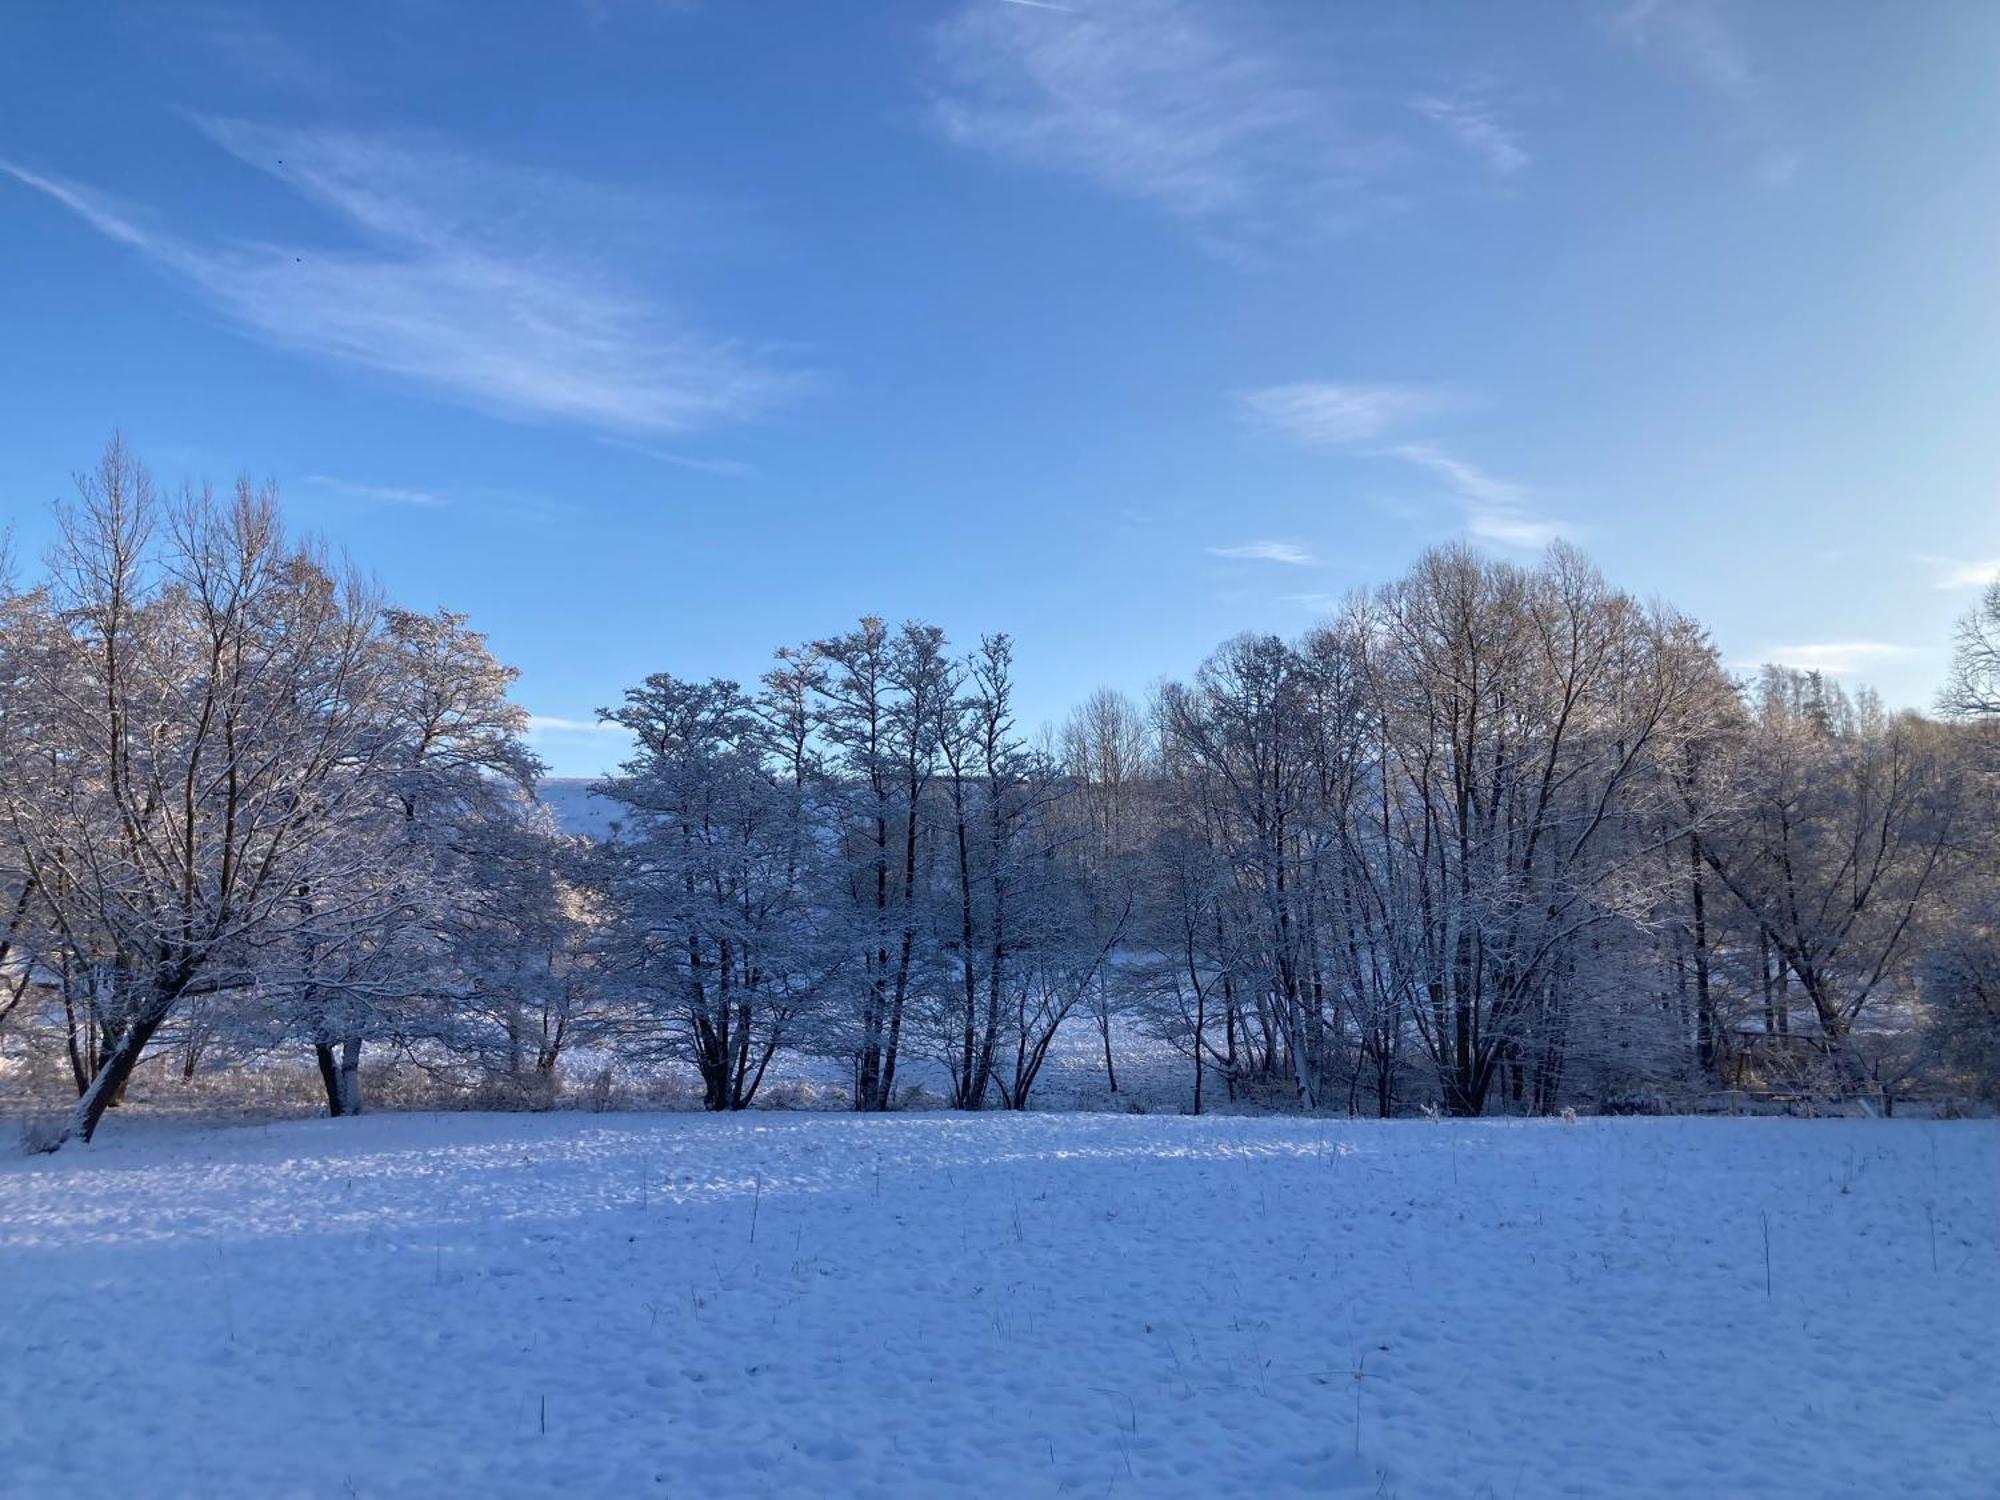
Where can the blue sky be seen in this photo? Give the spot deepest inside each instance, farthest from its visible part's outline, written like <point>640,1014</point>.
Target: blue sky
<point>658,335</point>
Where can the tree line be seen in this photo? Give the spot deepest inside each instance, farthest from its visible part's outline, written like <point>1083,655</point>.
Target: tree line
<point>1493,836</point>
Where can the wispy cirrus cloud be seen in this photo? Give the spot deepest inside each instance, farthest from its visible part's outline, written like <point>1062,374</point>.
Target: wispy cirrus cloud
<point>722,468</point>
<point>1319,601</point>
<point>382,493</point>
<point>1290,553</point>
<point>1178,103</point>
<point>1838,658</point>
<point>1324,413</point>
<point>1697,37</point>
<point>546,724</point>
<point>1962,573</point>
<point>1329,414</point>
<point>1466,479</point>
<point>245,42</point>
<point>1496,510</point>
<point>469,278</point>
<point>1513,528</point>
<point>1476,126</point>
<point>1693,34</point>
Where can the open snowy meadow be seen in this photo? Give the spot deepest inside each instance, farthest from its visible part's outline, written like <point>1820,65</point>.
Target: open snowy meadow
<point>1040,1305</point>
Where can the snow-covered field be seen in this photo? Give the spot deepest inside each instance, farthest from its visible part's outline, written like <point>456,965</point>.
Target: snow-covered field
<point>925,1305</point>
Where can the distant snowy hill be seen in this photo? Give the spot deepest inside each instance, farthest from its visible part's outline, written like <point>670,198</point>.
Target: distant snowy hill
<point>577,809</point>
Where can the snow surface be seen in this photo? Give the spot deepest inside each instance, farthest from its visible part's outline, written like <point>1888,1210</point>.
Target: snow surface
<point>928,1305</point>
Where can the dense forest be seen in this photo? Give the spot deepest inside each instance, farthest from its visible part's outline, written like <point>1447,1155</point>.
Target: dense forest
<point>1492,837</point>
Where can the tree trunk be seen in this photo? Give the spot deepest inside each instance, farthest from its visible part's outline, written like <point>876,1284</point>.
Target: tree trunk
<point>1704,1003</point>
<point>868,1070</point>
<point>350,1076</point>
<point>329,1077</point>
<point>1200,1016</point>
<point>1770,982</point>
<point>109,1083</point>
<point>1229,1037</point>
<point>1104,1032</point>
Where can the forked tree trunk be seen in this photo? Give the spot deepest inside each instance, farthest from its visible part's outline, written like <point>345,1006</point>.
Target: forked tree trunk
<point>340,1075</point>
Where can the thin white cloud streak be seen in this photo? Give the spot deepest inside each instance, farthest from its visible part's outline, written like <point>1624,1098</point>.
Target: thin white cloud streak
<point>1327,414</point>
<point>1289,553</point>
<point>1324,414</point>
<point>1478,129</point>
<point>1838,658</point>
<point>540,724</point>
<point>1954,573</point>
<point>387,494</point>
<point>1693,36</point>
<point>249,45</point>
<point>450,279</point>
<point>1466,479</point>
<point>1495,509</point>
<point>85,205</point>
<point>1171,102</point>
<point>1511,529</point>
<point>722,468</point>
